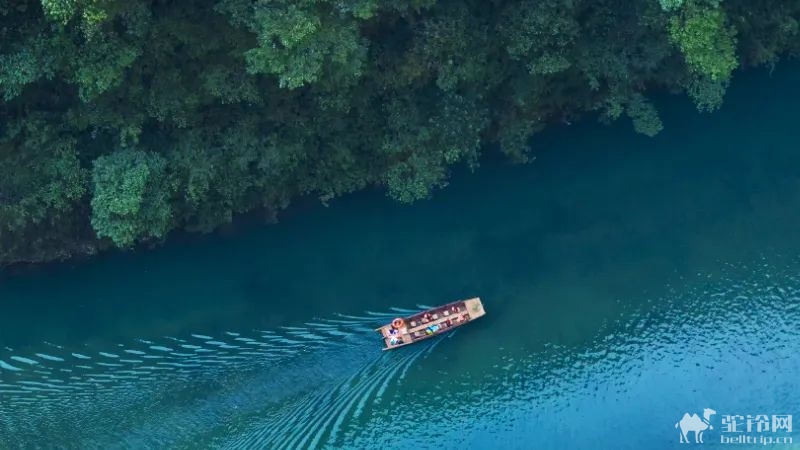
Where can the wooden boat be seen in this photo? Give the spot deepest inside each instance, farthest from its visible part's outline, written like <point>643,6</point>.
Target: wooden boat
<point>426,324</point>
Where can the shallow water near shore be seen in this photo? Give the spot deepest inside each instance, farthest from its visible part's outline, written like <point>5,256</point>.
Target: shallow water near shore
<point>627,280</point>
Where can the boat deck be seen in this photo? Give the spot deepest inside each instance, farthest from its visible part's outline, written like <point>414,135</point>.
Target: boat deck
<point>432,322</point>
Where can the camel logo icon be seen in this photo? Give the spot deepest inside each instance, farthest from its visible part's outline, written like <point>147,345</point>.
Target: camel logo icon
<point>696,424</point>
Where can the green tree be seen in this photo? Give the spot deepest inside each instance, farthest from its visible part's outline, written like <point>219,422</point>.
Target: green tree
<point>131,196</point>
<point>40,175</point>
<point>706,40</point>
<point>424,139</point>
<point>302,43</point>
<point>218,108</point>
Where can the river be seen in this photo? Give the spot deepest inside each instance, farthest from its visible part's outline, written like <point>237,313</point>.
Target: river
<point>627,281</point>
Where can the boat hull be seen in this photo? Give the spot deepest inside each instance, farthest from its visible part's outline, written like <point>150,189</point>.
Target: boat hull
<point>430,323</point>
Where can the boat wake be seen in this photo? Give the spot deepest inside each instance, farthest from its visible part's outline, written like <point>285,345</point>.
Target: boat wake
<point>293,387</point>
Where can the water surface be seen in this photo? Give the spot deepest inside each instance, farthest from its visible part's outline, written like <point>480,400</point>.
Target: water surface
<point>627,280</point>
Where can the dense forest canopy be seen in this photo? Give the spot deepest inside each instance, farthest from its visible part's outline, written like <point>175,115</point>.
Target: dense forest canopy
<point>125,119</point>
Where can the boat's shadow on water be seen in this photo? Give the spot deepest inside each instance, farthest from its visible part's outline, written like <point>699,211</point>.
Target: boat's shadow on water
<point>294,387</point>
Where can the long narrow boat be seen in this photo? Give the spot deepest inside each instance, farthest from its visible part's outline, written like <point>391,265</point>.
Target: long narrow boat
<point>426,324</point>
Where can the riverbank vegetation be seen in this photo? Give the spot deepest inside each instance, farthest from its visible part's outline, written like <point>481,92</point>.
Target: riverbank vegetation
<point>123,120</point>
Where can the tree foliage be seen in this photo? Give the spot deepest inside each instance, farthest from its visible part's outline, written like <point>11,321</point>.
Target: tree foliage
<point>706,40</point>
<point>125,119</point>
<point>131,196</point>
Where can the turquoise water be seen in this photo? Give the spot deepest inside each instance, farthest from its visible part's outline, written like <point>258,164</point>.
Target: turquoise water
<point>627,281</point>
